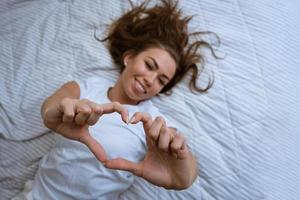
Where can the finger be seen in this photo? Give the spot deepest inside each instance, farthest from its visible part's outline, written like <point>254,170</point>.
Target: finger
<point>164,139</point>
<point>83,113</point>
<point>177,145</point>
<point>123,164</point>
<point>94,147</point>
<point>95,115</point>
<point>183,152</point>
<point>172,131</point>
<point>67,107</point>
<point>92,119</point>
<point>156,127</point>
<point>116,107</point>
<point>145,118</point>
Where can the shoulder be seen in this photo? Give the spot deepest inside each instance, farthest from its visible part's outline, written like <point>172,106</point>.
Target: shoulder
<point>92,85</point>
<point>92,81</point>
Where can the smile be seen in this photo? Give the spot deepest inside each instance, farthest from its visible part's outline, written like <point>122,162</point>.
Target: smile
<point>139,87</point>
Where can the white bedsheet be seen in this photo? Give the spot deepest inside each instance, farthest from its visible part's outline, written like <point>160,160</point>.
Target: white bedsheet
<point>245,131</point>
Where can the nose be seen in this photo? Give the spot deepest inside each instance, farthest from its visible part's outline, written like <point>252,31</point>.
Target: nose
<point>149,79</point>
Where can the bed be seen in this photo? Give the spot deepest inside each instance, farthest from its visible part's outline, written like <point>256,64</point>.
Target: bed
<point>245,131</point>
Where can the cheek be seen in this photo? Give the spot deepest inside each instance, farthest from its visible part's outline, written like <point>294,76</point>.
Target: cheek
<point>156,89</point>
<point>139,67</point>
<point>125,77</point>
<point>128,72</point>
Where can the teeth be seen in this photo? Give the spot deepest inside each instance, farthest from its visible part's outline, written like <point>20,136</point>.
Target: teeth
<point>140,87</point>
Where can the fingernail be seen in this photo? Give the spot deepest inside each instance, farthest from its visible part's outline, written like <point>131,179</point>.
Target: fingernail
<point>126,119</point>
<point>132,119</point>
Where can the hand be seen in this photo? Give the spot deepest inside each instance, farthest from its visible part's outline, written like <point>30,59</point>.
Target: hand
<point>72,117</point>
<point>167,163</point>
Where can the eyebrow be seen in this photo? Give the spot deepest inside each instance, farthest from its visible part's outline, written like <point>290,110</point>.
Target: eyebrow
<point>157,67</point>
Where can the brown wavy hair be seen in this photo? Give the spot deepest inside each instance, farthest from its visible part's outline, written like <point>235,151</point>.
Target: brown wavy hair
<point>163,26</point>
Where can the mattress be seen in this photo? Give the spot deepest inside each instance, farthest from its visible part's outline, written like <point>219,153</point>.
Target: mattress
<point>245,131</point>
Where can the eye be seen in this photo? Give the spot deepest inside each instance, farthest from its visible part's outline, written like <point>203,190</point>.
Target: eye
<point>161,82</point>
<point>149,66</point>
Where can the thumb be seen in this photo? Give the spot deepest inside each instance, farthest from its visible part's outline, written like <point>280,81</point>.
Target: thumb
<point>95,147</point>
<point>126,165</point>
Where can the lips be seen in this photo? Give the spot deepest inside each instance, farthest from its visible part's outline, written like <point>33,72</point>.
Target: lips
<point>139,87</point>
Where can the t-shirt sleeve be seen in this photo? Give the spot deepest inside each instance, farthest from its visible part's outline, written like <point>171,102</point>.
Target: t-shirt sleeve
<point>86,86</point>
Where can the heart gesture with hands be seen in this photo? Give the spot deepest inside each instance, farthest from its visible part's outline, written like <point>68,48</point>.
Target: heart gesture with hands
<point>72,117</point>
<point>167,162</point>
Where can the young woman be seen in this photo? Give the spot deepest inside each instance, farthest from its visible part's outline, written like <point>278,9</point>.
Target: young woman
<point>100,144</point>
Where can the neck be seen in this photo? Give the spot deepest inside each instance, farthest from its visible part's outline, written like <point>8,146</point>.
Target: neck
<point>116,93</point>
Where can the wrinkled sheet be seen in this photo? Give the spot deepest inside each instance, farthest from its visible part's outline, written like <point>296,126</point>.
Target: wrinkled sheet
<point>244,132</point>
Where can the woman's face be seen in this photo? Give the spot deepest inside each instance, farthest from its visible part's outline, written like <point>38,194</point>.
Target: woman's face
<point>146,74</point>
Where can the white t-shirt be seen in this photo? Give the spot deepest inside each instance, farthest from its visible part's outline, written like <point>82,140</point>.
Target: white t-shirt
<point>71,171</point>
